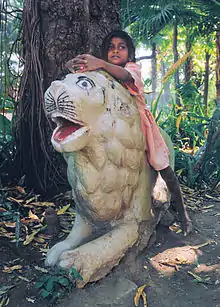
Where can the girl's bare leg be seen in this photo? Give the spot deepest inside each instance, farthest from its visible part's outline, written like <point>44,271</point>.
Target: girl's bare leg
<point>172,182</point>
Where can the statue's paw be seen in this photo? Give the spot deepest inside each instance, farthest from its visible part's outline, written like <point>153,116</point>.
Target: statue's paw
<point>71,258</point>
<point>55,252</point>
<point>81,261</point>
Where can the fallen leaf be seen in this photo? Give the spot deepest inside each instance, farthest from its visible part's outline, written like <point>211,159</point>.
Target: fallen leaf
<point>44,250</point>
<point>211,197</point>
<point>7,301</point>
<point>179,231</point>
<point>2,301</point>
<point>203,244</point>
<point>8,269</point>
<point>207,207</point>
<point>30,238</point>
<point>20,189</point>
<point>33,216</point>
<point>31,300</point>
<point>30,200</point>
<point>140,293</point>
<point>27,220</point>
<point>63,209</point>
<point>18,201</point>
<point>199,279</point>
<point>43,270</point>
<point>2,230</point>
<point>42,204</point>
<point>9,224</point>
<point>24,278</point>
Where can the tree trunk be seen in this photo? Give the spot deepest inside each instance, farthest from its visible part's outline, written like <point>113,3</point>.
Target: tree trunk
<point>166,95</point>
<point>176,57</point>
<point>211,155</point>
<point>154,70</point>
<point>188,64</point>
<point>218,66</point>
<point>53,32</point>
<point>206,82</point>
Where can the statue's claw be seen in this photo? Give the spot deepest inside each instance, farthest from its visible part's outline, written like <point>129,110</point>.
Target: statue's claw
<point>55,252</point>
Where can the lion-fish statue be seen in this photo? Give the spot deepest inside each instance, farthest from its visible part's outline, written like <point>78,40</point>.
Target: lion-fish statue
<point>114,188</point>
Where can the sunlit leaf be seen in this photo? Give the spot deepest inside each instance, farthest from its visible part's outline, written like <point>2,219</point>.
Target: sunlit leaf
<point>33,216</point>
<point>7,269</point>
<point>30,237</point>
<point>18,201</point>
<point>140,293</point>
<point>63,209</point>
<point>41,204</point>
<point>31,300</point>
<point>9,224</point>
<point>43,270</point>
<point>24,278</point>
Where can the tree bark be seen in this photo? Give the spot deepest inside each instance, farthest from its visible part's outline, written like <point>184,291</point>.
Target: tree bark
<point>211,154</point>
<point>166,95</point>
<point>218,66</point>
<point>188,64</point>
<point>53,32</point>
<point>206,82</point>
<point>176,57</point>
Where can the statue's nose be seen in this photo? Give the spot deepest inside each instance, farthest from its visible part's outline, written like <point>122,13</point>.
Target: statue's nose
<point>56,94</point>
<point>58,91</point>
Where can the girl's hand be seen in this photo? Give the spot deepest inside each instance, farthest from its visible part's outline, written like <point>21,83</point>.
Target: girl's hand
<point>84,62</point>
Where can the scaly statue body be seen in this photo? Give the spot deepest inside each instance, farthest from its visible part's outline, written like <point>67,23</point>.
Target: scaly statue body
<point>98,131</point>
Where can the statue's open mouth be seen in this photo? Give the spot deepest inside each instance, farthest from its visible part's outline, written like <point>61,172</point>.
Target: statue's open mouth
<point>69,135</point>
<point>65,128</point>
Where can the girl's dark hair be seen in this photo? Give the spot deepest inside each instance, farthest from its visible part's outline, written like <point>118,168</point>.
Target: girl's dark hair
<point>123,35</point>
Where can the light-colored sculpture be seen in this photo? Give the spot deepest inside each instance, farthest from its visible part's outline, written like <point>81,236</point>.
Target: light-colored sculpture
<point>98,132</point>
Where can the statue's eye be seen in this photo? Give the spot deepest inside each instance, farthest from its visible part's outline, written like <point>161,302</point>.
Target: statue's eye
<point>85,84</point>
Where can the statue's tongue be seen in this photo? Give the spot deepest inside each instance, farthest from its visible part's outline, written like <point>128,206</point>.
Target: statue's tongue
<point>64,131</point>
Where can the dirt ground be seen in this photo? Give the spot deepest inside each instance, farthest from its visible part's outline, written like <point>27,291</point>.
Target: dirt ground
<point>178,271</point>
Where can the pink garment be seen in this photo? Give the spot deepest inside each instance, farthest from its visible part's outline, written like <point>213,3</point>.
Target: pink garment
<point>157,151</point>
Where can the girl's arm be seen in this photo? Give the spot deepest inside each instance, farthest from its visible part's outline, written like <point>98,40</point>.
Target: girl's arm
<point>87,62</point>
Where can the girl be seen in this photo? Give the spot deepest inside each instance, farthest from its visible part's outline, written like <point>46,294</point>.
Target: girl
<point>118,59</point>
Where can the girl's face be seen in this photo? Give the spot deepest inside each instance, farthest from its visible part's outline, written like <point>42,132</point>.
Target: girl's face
<point>118,52</point>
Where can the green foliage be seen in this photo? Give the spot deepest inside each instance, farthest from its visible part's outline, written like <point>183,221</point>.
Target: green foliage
<point>10,213</point>
<point>187,127</point>
<point>7,147</point>
<point>184,167</point>
<point>57,283</point>
<point>187,124</point>
<point>147,18</point>
<point>147,82</point>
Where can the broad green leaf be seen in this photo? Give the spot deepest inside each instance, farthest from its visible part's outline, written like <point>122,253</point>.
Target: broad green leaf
<point>44,293</point>
<point>64,281</point>
<point>5,125</point>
